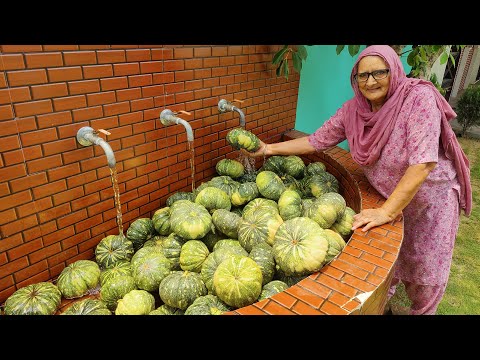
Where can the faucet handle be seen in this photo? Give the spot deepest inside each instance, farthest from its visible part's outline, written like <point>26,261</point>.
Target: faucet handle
<point>182,112</point>
<point>240,101</point>
<point>104,132</point>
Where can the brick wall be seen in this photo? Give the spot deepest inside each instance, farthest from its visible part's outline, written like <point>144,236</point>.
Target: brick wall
<point>56,196</point>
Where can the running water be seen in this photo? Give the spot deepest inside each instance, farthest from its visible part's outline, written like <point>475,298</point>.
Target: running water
<point>192,162</point>
<point>116,192</point>
<point>247,162</point>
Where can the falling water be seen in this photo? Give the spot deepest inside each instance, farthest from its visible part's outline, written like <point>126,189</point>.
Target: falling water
<point>247,162</point>
<point>116,192</point>
<point>192,162</point>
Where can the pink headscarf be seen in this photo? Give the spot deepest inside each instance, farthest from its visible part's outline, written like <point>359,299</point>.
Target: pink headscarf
<point>367,131</point>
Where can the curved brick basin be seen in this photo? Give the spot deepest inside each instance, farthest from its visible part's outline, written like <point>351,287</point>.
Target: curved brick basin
<point>356,281</point>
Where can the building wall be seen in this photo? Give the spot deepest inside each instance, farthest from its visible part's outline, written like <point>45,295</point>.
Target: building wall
<point>56,196</point>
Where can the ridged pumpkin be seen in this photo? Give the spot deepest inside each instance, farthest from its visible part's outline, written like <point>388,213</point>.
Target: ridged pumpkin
<point>171,248</point>
<point>140,231</point>
<point>120,268</point>
<point>181,288</point>
<point>180,195</point>
<point>190,220</point>
<point>207,305</point>
<point>335,244</point>
<point>234,244</point>
<point>213,198</point>
<point>42,298</point>
<point>230,167</point>
<point>294,166</point>
<point>136,302</point>
<point>115,289</point>
<point>246,192</point>
<point>243,139</point>
<point>166,310</point>
<point>270,185</point>
<point>211,239</point>
<point>225,183</point>
<point>290,204</point>
<point>260,205</point>
<point>300,246</point>
<point>113,249</point>
<point>192,255</point>
<point>275,164</point>
<point>272,288</point>
<point>226,222</point>
<point>238,281</point>
<point>343,224</point>
<point>87,307</point>
<point>259,227</point>
<point>161,221</point>
<point>262,254</point>
<point>150,270</point>
<point>314,168</point>
<point>323,212</point>
<point>78,278</point>
<point>319,184</point>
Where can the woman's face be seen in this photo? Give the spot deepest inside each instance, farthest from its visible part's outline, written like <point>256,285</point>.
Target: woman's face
<point>374,90</point>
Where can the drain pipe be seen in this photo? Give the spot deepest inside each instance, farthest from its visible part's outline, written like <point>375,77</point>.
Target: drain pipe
<point>168,117</point>
<point>87,136</point>
<point>224,106</point>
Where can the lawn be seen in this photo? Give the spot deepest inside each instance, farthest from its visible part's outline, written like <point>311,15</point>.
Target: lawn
<point>462,296</point>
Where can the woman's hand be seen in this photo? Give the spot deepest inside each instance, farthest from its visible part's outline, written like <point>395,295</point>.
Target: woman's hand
<point>262,150</point>
<point>370,218</point>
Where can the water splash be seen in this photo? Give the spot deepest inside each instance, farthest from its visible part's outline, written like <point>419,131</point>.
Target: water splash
<point>192,162</point>
<point>247,162</point>
<point>116,192</point>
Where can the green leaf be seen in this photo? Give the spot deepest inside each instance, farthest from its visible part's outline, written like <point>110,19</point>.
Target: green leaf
<point>435,48</point>
<point>443,58</point>
<point>452,59</point>
<point>279,69</point>
<point>411,57</point>
<point>279,55</point>
<point>285,68</point>
<point>353,49</point>
<point>297,62</point>
<point>302,52</point>
<point>423,53</point>
<point>340,48</point>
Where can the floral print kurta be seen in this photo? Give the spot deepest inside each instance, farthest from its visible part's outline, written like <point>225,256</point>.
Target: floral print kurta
<point>431,219</point>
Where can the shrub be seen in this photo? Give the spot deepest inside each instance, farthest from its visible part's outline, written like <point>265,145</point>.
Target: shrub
<point>468,108</point>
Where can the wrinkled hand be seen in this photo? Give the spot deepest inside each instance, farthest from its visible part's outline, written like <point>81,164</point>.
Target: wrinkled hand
<point>259,152</point>
<point>370,218</point>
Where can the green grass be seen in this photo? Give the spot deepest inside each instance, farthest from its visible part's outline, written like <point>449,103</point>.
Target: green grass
<point>462,296</point>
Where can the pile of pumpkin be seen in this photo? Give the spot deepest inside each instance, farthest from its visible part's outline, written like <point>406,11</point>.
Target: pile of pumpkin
<point>237,239</point>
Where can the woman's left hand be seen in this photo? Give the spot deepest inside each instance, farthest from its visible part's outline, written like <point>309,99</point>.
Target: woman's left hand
<point>370,218</point>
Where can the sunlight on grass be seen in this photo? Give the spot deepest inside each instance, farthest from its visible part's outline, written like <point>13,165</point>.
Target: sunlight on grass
<point>462,296</point>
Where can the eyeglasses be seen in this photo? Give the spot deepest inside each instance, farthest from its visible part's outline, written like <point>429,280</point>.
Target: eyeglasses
<point>377,75</point>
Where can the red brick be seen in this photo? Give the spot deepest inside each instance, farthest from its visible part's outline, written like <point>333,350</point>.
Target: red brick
<point>83,87</point>
<point>302,308</point>
<point>332,309</point>
<point>58,236</point>
<point>76,239</point>
<point>113,83</point>
<point>27,77</point>
<point>38,137</point>
<point>7,216</point>
<point>85,201</point>
<point>140,80</point>
<point>151,67</point>
<point>274,308</point>
<point>80,58</point>
<point>54,213</point>
<point>42,60</point>
<point>24,249</point>
<point>34,207</point>
<point>10,242</point>
<point>138,55</point>
<point>65,74</point>
<point>117,108</point>
<point>54,119</point>
<point>97,71</point>
<point>19,94</point>
<point>44,164</point>
<point>33,108</point>
<point>72,218</point>
<point>29,181</point>
<point>66,196</point>
<point>70,102</point>
<point>44,253</point>
<point>101,98</point>
<point>11,62</point>
<point>110,56</point>
<point>63,172</point>
<point>49,90</point>
<point>14,266</point>
<point>88,223</point>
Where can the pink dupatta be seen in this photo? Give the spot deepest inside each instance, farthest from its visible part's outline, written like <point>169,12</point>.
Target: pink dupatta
<point>367,131</point>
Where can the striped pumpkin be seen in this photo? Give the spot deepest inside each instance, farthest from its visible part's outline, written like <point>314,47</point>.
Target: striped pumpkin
<point>270,185</point>
<point>207,305</point>
<point>192,255</point>
<point>78,278</point>
<point>136,302</point>
<point>272,288</point>
<point>181,288</point>
<point>115,289</point>
<point>190,220</point>
<point>42,298</point>
<point>113,249</point>
<point>87,307</point>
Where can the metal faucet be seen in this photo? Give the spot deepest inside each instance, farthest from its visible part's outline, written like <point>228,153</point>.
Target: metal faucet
<point>224,106</point>
<point>87,136</point>
<point>168,117</point>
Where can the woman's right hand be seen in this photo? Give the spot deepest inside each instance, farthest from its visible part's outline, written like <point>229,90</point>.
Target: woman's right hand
<point>262,150</point>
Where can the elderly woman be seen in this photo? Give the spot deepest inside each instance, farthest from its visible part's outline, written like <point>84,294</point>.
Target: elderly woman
<point>399,133</point>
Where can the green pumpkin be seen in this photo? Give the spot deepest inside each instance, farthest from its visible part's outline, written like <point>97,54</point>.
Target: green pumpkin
<point>87,307</point>
<point>181,288</point>
<point>120,268</point>
<point>212,238</point>
<point>225,183</point>
<point>161,221</point>
<point>213,198</point>
<point>335,244</point>
<point>140,231</point>
<point>323,212</point>
<point>300,246</point>
<point>78,278</point>
<point>270,185</point>
<point>150,270</point>
<point>262,254</point>
<point>243,139</point>
<point>272,288</point>
<point>306,203</point>
<point>41,298</point>
<point>275,164</point>
<point>229,167</point>
<point>290,204</point>
<point>190,220</point>
<point>207,305</point>
<point>226,222</point>
<point>337,201</point>
<point>290,280</point>
<point>314,168</point>
<point>166,310</point>
<point>317,185</point>
<point>259,227</point>
<point>180,195</point>
<point>214,259</point>
<point>136,302</point>
<point>238,281</point>
<point>141,253</point>
<point>246,192</point>
<point>192,255</point>
<point>294,166</point>
<point>171,248</point>
<point>260,205</point>
<point>113,249</point>
<point>115,289</point>
<point>343,224</point>
<point>248,177</point>
<point>230,243</point>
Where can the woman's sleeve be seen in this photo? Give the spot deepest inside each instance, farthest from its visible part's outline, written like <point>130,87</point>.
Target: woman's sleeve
<point>423,129</point>
<point>330,133</point>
